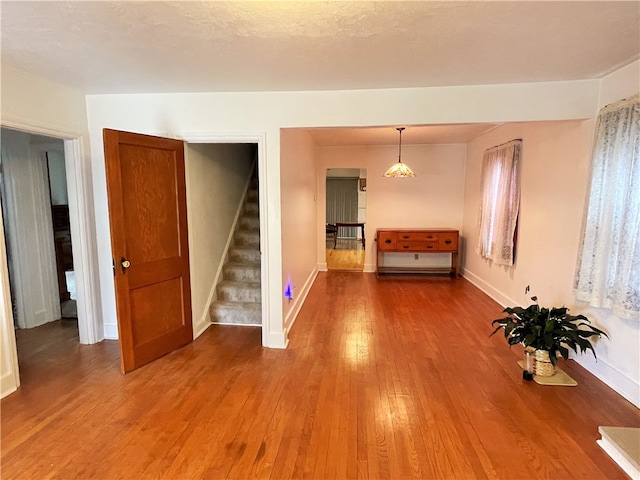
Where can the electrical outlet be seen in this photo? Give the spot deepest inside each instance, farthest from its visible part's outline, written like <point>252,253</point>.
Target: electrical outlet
<point>416,256</point>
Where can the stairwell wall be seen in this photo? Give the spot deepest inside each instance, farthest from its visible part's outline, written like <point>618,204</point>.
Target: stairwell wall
<point>217,176</point>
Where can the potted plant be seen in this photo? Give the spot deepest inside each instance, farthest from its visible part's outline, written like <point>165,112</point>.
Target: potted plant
<point>549,331</point>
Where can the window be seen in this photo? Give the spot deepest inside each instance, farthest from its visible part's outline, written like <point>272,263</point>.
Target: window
<point>500,187</point>
<point>608,267</point>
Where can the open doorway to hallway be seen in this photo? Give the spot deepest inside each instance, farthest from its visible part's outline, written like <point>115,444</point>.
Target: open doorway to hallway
<point>346,205</point>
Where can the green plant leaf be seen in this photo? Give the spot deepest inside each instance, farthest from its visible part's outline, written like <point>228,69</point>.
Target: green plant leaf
<point>553,357</point>
<point>564,352</point>
<point>551,329</point>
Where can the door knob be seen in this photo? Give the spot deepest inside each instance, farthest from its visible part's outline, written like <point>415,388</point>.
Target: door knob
<point>124,263</point>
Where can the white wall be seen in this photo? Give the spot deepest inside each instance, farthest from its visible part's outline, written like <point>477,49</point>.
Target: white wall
<point>622,83</point>
<point>183,115</point>
<point>618,363</point>
<point>217,176</point>
<point>32,101</point>
<point>556,159</point>
<point>299,213</point>
<point>554,170</point>
<point>37,105</point>
<point>432,199</point>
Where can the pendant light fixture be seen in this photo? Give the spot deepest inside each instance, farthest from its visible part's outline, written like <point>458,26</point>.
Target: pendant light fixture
<point>399,169</point>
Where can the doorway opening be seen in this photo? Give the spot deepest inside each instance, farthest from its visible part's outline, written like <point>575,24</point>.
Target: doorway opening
<point>59,199</point>
<point>36,221</point>
<point>346,205</point>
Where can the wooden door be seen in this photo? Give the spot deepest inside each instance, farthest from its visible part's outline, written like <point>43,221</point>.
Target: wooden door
<point>148,216</point>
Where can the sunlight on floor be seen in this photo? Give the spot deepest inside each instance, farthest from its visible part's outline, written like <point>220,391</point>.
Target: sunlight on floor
<point>347,256</point>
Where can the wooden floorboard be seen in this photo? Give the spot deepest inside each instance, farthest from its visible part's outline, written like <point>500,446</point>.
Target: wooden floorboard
<point>346,256</point>
<point>390,378</point>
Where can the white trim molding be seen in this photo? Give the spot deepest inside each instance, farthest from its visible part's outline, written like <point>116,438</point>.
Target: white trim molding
<point>9,373</point>
<point>615,379</point>
<point>277,337</point>
<point>494,293</point>
<point>299,301</point>
<point>611,376</point>
<point>81,218</point>
<point>205,320</point>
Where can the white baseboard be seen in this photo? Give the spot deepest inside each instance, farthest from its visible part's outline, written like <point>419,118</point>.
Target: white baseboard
<point>494,293</point>
<point>277,340</point>
<point>298,302</point>
<point>8,384</point>
<point>612,377</point>
<point>201,325</point>
<point>205,320</point>
<point>237,324</point>
<point>110,332</point>
<point>322,267</point>
<point>200,328</point>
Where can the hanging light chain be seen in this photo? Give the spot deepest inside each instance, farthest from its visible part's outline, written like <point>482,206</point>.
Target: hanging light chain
<point>400,129</point>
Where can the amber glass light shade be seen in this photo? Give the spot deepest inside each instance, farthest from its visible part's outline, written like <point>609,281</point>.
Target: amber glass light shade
<point>399,170</point>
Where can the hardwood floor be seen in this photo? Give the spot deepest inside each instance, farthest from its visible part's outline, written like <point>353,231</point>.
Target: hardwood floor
<point>383,378</point>
<point>347,257</point>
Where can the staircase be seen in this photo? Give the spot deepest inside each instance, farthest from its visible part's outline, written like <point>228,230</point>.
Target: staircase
<point>238,299</point>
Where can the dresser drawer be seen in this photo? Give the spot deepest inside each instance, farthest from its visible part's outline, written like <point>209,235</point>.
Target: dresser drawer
<point>416,246</point>
<point>448,241</point>
<point>411,241</point>
<point>417,237</point>
<point>393,243</point>
<point>387,241</point>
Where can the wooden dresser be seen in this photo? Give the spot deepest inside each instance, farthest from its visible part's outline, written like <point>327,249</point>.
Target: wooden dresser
<point>417,240</point>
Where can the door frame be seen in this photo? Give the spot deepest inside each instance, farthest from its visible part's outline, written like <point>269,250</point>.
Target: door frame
<point>79,190</point>
<point>268,338</point>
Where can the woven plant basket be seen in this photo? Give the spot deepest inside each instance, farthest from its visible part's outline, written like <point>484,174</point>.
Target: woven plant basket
<point>544,367</point>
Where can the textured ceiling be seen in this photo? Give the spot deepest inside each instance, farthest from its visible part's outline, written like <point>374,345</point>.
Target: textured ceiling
<point>189,46</point>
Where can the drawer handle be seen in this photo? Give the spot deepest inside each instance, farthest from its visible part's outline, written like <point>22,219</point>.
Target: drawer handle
<point>405,236</point>
<point>405,246</point>
<point>429,246</point>
<point>448,241</point>
<point>387,241</point>
<point>430,237</point>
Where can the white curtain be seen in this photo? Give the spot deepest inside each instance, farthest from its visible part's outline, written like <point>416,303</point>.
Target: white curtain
<point>342,203</point>
<point>500,187</point>
<point>608,268</point>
